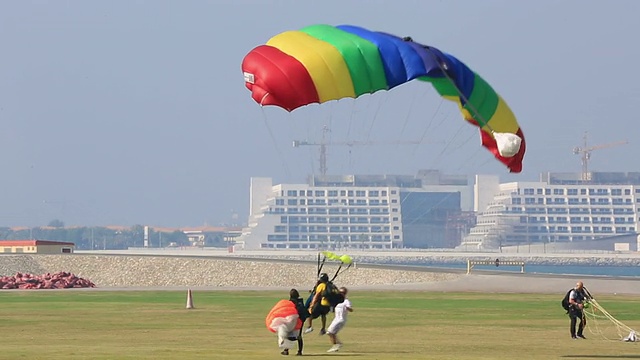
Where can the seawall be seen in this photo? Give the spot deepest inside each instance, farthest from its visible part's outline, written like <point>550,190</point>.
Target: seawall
<point>402,257</point>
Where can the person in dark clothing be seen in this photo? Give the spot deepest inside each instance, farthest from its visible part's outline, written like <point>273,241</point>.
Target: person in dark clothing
<point>294,297</point>
<point>319,305</point>
<point>577,297</point>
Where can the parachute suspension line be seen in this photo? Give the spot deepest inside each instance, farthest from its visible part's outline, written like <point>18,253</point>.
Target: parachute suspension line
<point>472,160</point>
<point>452,138</point>
<point>601,325</point>
<point>620,327</point>
<point>263,99</point>
<point>444,118</point>
<point>352,124</point>
<point>320,265</point>
<point>435,160</point>
<point>594,321</point>
<point>275,143</point>
<point>351,116</point>
<point>476,114</point>
<point>366,103</point>
<point>405,198</point>
<point>426,130</point>
<point>435,206</point>
<point>326,136</point>
<point>338,272</point>
<point>477,165</point>
<point>330,115</point>
<point>312,156</point>
<point>375,117</point>
<point>359,128</point>
<point>406,118</point>
<point>351,120</point>
<point>449,143</point>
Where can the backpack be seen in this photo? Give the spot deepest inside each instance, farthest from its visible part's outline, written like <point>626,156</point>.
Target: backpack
<point>565,301</point>
<point>332,294</point>
<point>303,314</point>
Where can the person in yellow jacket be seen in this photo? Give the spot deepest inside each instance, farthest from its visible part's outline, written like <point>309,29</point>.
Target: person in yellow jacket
<point>319,306</point>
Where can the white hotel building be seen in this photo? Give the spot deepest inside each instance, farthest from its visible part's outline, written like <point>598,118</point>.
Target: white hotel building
<point>433,210</point>
<point>559,208</point>
<point>358,211</point>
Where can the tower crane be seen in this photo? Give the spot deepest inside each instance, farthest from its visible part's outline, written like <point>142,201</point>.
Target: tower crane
<point>324,143</point>
<point>585,154</point>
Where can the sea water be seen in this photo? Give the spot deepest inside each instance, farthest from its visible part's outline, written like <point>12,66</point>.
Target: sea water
<point>595,270</point>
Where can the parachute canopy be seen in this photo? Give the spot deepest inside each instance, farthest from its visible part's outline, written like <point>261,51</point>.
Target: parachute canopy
<point>345,259</point>
<point>283,315</point>
<point>320,63</point>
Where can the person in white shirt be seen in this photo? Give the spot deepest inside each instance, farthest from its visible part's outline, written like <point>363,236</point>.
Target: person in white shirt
<point>340,319</point>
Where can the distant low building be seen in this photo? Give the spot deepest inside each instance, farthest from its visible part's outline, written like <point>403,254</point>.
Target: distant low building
<point>36,247</point>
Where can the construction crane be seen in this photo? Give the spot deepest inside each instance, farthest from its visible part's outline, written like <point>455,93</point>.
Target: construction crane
<point>585,154</point>
<point>323,146</point>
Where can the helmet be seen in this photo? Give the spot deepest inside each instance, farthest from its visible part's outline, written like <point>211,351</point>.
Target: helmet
<point>324,277</point>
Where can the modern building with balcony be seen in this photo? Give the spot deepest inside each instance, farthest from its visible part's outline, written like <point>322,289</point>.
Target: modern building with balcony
<point>359,211</point>
<point>560,208</point>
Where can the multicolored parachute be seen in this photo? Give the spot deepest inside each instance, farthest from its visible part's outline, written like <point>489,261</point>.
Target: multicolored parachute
<point>321,63</point>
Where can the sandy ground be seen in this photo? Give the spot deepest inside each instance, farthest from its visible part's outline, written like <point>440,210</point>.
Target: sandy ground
<point>526,283</point>
<point>486,283</point>
<point>508,283</point>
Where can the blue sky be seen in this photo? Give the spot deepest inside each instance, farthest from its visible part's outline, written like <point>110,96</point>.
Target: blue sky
<point>135,112</point>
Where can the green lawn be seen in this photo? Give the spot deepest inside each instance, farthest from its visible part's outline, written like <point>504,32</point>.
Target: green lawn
<point>230,325</point>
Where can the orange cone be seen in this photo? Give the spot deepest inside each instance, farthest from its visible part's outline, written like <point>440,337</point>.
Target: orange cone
<point>189,300</point>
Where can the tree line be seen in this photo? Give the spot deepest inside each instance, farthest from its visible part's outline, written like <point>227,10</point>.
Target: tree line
<point>102,238</point>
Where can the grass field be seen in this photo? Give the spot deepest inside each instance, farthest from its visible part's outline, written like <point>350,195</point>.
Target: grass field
<point>230,325</point>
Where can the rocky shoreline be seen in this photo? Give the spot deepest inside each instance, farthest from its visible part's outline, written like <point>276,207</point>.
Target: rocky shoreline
<point>168,271</point>
<point>431,260</point>
<point>224,271</point>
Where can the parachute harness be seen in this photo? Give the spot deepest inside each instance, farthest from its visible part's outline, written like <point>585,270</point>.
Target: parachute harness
<point>327,255</point>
